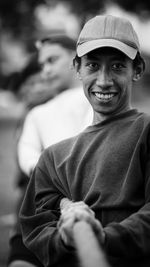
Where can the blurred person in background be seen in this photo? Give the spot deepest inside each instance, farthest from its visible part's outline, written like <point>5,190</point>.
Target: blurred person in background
<point>48,123</point>
<point>30,90</point>
<point>65,115</point>
<point>29,85</point>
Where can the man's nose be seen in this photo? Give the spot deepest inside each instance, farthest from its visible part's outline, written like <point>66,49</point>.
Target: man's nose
<point>46,70</point>
<point>104,79</point>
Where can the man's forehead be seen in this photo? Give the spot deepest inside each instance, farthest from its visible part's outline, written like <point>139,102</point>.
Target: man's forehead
<point>50,47</point>
<point>49,50</point>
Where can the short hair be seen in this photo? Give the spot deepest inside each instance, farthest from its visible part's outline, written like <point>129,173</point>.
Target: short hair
<point>138,60</point>
<point>64,40</point>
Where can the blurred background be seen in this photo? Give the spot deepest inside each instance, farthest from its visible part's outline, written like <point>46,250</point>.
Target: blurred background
<point>22,22</point>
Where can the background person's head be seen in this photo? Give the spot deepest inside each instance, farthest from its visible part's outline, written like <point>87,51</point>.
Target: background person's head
<point>28,86</point>
<point>108,62</point>
<point>56,53</point>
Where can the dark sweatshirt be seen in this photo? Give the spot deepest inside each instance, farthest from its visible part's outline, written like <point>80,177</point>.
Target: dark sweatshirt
<point>108,167</point>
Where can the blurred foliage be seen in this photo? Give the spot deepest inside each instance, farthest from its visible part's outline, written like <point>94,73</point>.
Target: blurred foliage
<point>18,15</point>
<point>136,6</point>
<point>86,8</point>
<point>90,7</point>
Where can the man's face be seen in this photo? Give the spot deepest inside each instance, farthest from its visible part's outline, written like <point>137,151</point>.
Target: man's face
<point>107,77</point>
<point>56,66</point>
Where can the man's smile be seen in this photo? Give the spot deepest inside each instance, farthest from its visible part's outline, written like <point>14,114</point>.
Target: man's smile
<point>105,97</point>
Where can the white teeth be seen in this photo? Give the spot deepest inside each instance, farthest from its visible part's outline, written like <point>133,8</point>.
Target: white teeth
<point>104,96</point>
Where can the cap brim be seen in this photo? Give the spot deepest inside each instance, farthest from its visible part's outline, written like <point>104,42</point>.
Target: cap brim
<point>86,47</point>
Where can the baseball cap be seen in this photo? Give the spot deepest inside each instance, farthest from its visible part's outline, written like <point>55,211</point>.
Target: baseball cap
<point>108,31</point>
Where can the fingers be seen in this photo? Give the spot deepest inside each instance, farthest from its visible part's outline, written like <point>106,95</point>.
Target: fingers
<point>72,212</point>
<point>77,207</point>
<point>77,211</point>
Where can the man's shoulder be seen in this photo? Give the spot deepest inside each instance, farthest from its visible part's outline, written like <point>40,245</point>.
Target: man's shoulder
<point>65,144</point>
<point>144,116</point>
<point>60,150</point>
<point>68,97</point>
<point>71,103</point>
<point>142,121</point>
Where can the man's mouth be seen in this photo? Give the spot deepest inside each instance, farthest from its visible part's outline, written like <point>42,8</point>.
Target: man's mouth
<point>104,97</point>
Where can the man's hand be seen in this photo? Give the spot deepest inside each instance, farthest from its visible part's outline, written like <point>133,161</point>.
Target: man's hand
<point>72,212</point>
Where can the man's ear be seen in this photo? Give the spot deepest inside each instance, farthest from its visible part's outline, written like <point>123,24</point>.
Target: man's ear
<point>138,71</point>
<point>77,68</point>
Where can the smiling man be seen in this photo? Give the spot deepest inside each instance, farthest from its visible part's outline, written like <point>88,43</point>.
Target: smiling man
<point>107,76</point>
<point>105,170</point>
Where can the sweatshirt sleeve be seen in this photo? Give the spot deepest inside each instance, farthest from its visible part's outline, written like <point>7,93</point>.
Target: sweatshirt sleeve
<point>130,238</point>
<point>39,215</point>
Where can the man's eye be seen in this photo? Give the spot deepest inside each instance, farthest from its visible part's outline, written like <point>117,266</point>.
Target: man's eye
<point>118,66</point>
<point>92,66</point>
<point>53,59</point>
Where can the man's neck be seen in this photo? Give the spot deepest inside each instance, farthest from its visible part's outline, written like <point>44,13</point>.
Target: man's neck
<point>100,117</point>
